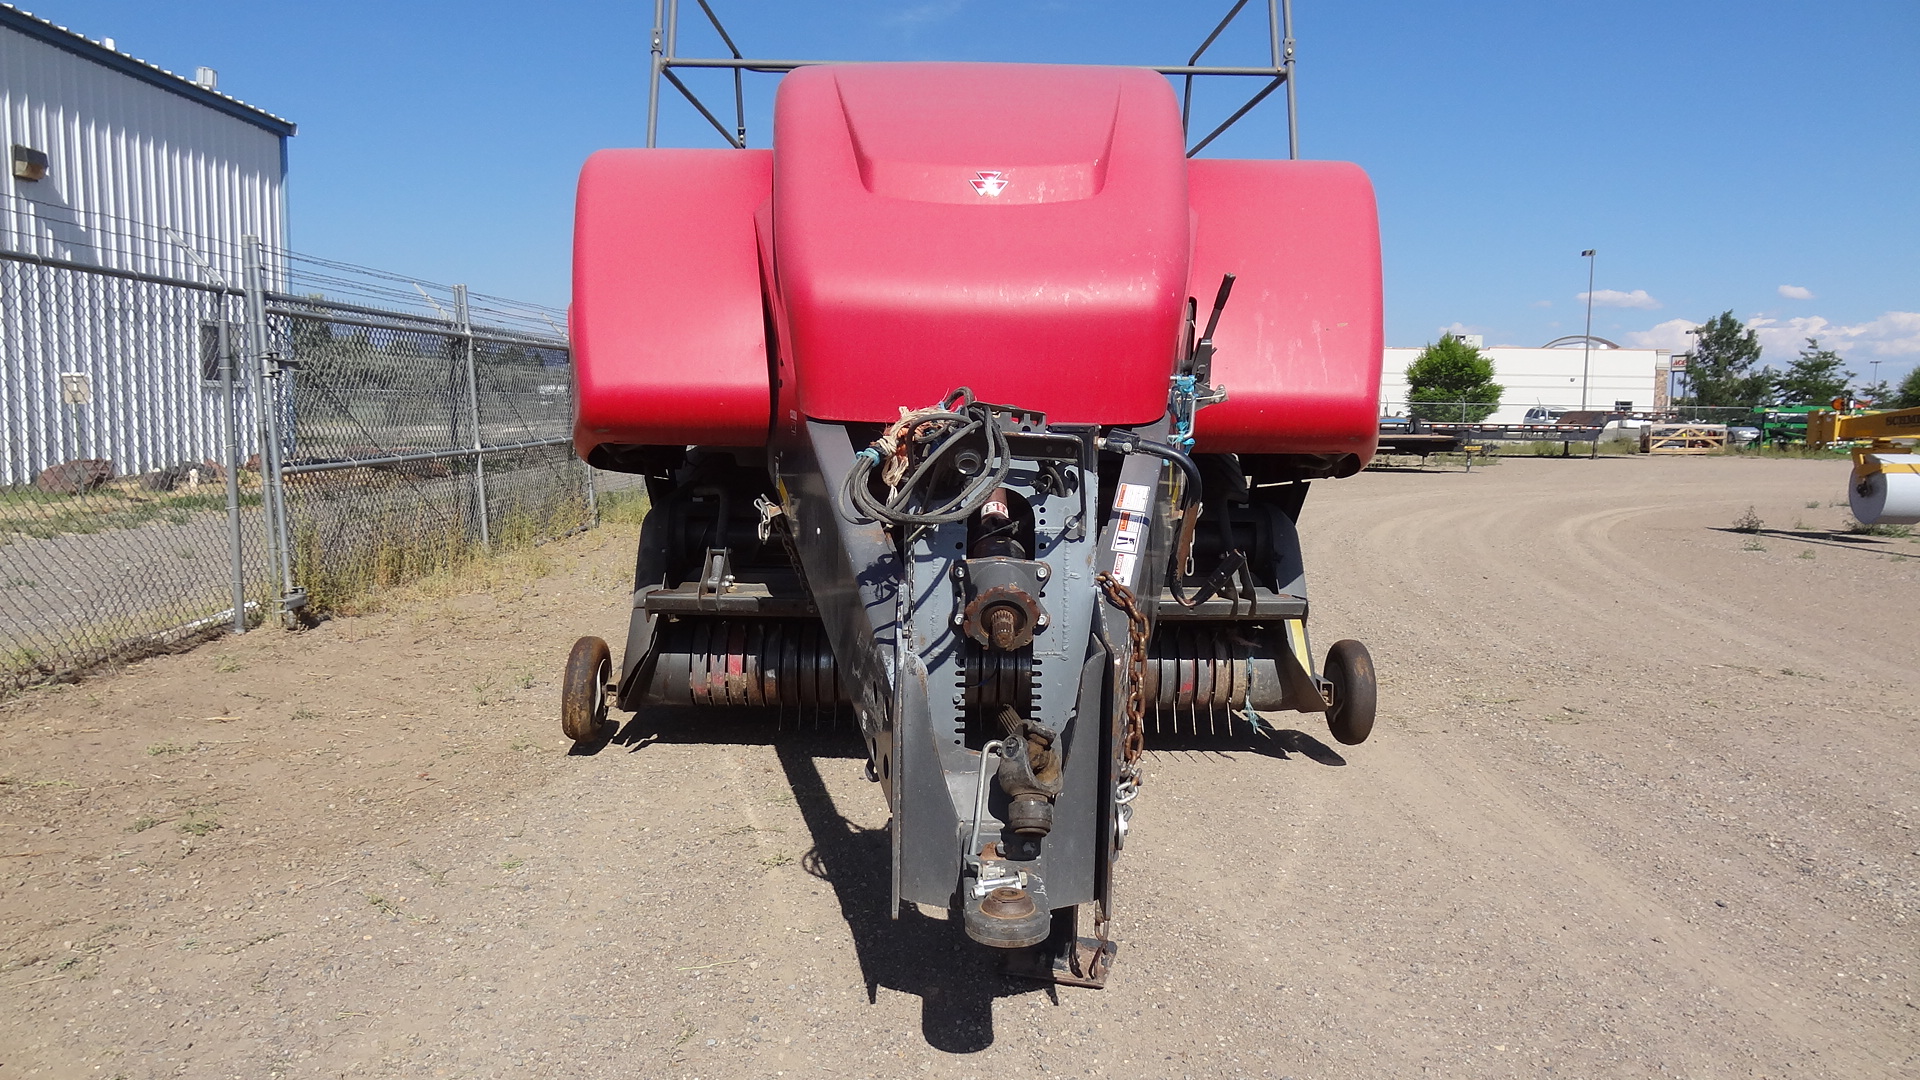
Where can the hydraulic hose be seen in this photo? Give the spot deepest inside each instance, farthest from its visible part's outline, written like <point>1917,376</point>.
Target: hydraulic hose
<point>939,431</point>
<point>1127,442</point>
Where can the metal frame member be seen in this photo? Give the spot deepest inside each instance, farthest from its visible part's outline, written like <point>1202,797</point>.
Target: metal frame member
<point>665,57</point>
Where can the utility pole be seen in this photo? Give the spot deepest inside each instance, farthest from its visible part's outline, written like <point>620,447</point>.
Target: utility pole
<point>1586,342</point>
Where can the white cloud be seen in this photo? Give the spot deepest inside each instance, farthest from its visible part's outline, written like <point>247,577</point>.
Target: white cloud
<point>1894,333</point>
<point>926,14</point>
<point>1638,298</point>
<point>1460,328</point>
<point>1671,334</point>
<point>1796,292</point>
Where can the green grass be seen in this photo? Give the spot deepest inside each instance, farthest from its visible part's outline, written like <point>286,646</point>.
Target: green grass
<point>1791,451</point>
<point>344,574</point>
<point>1898,532</point>
<point>30,512</point>
<point>199,823</point>
<point>622,507</point>
<point>1554,448</point>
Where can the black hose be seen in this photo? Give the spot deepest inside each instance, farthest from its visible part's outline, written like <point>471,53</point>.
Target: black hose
<point>1126,442</point>
<point>944,430</point>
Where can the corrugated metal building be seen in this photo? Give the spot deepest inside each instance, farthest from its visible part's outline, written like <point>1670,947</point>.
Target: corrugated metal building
<point>118,164</point>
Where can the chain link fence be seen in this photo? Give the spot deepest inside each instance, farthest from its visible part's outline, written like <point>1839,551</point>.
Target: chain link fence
<point>412,439</point>
<point>189,457</point>
<point>119,529</point>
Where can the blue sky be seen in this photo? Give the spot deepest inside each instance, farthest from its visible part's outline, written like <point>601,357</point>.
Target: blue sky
<point>1757,156</point>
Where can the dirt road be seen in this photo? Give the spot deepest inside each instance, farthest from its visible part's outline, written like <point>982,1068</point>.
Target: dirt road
<point>1641,802</point>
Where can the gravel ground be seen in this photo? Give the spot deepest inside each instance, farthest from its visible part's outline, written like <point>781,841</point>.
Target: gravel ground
<point>1640,803</point>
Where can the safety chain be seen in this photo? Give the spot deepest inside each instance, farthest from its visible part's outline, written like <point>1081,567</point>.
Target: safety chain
<point>1132,744</point>
<point>1133,741</point>
<point>1103,950</point>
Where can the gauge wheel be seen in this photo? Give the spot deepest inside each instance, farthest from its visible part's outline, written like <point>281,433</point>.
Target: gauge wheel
<point>1350,669</point>
<point>583,693</point>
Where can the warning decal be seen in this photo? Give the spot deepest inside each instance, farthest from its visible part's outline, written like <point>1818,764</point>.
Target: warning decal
<point>1130,520</point>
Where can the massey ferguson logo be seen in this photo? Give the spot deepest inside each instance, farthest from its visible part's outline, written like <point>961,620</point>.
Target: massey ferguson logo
<point>988,183</point>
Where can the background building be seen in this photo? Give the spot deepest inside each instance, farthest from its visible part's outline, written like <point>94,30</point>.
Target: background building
<point>1549,376</point>
<point>119,165</point>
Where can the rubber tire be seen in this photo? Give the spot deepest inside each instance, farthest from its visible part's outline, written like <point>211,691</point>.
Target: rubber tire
<point>1355,695</point>
<point>583,692</point>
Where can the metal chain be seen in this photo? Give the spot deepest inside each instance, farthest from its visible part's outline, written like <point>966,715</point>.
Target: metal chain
<point>1134,739</point>
<point>1102,958</point>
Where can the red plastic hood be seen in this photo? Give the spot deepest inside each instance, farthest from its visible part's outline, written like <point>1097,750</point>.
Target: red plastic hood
<point>1031,232</point>
<point>1300,342</point>
<point>669,336</point>
<point>1019,229</point>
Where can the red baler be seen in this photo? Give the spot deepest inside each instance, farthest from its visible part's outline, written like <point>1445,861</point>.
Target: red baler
<point>978,410</point>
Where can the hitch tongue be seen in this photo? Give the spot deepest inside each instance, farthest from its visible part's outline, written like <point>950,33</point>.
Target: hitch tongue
<point>999,908</point>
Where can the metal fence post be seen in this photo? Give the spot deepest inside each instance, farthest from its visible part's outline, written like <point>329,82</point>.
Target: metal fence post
<point>235,550</point>
<point>224,351</point>
<point>593,497</point>
<point>464,322</point>
<point>272,487</point>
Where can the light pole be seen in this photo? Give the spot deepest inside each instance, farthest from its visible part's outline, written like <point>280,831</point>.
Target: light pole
<point>1586,342</point>
<point>1686,376</point>
<point>1876,377</point>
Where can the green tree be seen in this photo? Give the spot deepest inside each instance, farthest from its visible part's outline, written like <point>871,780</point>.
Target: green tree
<point>1880,394</point>
<point>1451,381</point>
<point>1908,396</point>
<point>1724,369</point>
<point>1814,377</point>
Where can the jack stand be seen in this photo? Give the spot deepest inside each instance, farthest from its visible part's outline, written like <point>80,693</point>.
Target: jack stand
<point>1065,958</point>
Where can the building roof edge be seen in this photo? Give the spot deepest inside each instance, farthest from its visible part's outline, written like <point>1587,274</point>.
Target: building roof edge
<point>60,37</point>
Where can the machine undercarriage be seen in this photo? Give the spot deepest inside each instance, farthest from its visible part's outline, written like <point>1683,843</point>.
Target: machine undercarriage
<point>1005,607</point>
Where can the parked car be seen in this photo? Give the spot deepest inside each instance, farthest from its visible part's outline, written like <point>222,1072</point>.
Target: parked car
<point>1545,414</point>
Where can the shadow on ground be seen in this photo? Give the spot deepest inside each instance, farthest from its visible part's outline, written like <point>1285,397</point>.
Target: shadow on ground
<point>1850,541</point>
<point>1239,738</point>
<point>926,956</point>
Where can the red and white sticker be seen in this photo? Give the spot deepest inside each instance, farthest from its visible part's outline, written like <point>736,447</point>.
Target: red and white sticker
<point>1129,529</point>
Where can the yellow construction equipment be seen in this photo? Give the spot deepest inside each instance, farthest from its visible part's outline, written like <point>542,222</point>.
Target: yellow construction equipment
<point>1885,488</point>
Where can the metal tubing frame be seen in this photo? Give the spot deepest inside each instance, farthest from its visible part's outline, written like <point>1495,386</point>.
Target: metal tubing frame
<point>664,57</point>
<point>235,551</point>
<point>460,316</point>
<point>273,492</point>
<point>224,349</point>
<point>423,455</point>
